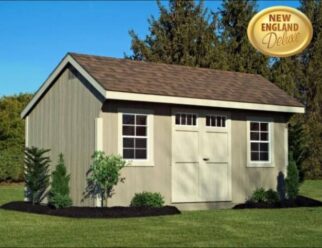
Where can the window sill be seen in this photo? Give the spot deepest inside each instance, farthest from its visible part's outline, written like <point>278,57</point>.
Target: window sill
<point>132,163</point>
<point>260,165</point>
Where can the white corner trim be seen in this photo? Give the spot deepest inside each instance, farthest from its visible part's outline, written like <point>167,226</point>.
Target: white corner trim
<point>115,95</point>
<point>99,134</point>
<point>286,148</point>
<point>27,131</point>
<point>51,79</point>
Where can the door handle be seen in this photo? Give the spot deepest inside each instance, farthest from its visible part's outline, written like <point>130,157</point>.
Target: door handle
<point>205,159</point>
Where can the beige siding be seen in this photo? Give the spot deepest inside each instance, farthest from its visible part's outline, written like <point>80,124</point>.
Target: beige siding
<point>64,121</point>
<point>158,177</point>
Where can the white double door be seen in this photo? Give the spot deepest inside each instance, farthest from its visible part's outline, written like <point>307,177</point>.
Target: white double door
<point>201,159</point>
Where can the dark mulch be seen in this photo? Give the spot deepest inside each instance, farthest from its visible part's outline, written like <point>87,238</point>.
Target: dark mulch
<point>300,201</point>
<point>91,212</point>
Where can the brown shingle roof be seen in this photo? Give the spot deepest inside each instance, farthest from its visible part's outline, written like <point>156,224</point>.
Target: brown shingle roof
<point>181,81</point>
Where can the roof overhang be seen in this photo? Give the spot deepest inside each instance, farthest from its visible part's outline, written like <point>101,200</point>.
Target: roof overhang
<point>115,95</point>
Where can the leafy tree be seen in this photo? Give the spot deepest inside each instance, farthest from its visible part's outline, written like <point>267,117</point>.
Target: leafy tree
<point>184,34</point>
<point>12,137</point>
<point>292,179</point>
<point>36,174</point>
<point>59,191</point>
<point>234,18</point>
<point>103,175</point>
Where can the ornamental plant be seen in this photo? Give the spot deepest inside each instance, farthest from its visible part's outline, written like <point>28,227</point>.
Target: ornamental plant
<point>59,191</point>
<point>36,174</point>
<point>147,199</point>
<point>292,180</point>
<point>104,173</point>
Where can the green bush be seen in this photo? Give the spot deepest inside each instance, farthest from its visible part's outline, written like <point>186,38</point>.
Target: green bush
<point>59,191</point>
<point>292,180</point>
<point>104,173</point>
<point>259,195</point>
<point>147,199</point>
<point>271,196</point>
<point>36,174</point>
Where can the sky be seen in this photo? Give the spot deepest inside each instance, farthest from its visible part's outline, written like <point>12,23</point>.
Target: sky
<point>35,36</point>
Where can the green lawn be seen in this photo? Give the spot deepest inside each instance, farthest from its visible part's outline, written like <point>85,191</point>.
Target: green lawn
<point>301,227</point>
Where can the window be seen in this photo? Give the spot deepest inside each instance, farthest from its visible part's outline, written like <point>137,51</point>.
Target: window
<point>186,119</point>
<point>215,121</point>
<point>259,141</point>
<point>135,136</point>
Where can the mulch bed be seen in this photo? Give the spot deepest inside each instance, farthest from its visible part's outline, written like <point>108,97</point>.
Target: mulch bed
<point>91,212</point>
<point>300,201</point>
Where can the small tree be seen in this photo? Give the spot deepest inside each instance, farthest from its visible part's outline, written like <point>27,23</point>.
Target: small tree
<point>36,174</point>
<point>59,192</point>
<point>103,175</point>
<point>292,179</point>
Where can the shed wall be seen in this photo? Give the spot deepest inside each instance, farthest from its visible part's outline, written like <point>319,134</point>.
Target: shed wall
<point>157,178</point>
<point>64,121</point>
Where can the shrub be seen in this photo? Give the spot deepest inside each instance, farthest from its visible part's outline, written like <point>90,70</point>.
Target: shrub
<point>36,174</point>
<point>103,175</point>
<point>259,195</point>
<point>147,199</point>
<point>271,196</point>
<point>292,179</point>
<point>59,191</point>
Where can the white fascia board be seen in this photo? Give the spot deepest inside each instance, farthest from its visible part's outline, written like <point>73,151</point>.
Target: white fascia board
<point>115,95</point>
<point>51,79</point>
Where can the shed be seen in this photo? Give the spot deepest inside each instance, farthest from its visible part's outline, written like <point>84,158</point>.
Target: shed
<point>203,138</point>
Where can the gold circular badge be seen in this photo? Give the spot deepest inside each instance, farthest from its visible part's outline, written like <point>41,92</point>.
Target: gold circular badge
<point>280,31</point>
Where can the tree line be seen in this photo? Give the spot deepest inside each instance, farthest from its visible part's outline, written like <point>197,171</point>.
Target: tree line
<point>187,33</point>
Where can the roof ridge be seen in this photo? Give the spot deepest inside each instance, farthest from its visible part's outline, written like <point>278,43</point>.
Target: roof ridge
<point>161,63</point>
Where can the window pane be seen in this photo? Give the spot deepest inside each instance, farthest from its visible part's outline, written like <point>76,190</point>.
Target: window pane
<point>254,156</point>
<point>141,120</point>
<point>140,131</point>
<point>128,130</point>
<point>254,147</point>
<point>207,120</point>
<point>140,143</point>
<point>254,136</point>
<point>128,153</point>
<point>264,126</point>
<point>264,136</point>
<point>177,119</point>
<point>264,147</point>
<point>194,122</point>
<point>140,153</point>
<point>212,121</point>
<point>189,120</point>
<point>264,156</point>
<point>224,121</point>
<point>254,126</point>
<point>128,119</point>
<point>128,142</point>
<point>183,119</point>
<point>218,121</point>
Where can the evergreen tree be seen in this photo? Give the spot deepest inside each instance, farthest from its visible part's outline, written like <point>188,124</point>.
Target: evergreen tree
<point>184,34</point>
<point>59,192</point>
<point>292,179</point>
<point>311,89</point>
<point>36,174</point>
<point>242,57</point>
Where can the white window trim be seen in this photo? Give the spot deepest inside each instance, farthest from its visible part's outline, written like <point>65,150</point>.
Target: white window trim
<point>216,127</point>
<point>269,163</point>
<point>150,136</point>
<point>186,113</point>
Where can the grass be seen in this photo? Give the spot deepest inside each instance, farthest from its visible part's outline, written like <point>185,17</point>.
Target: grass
<point>301,227</point>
